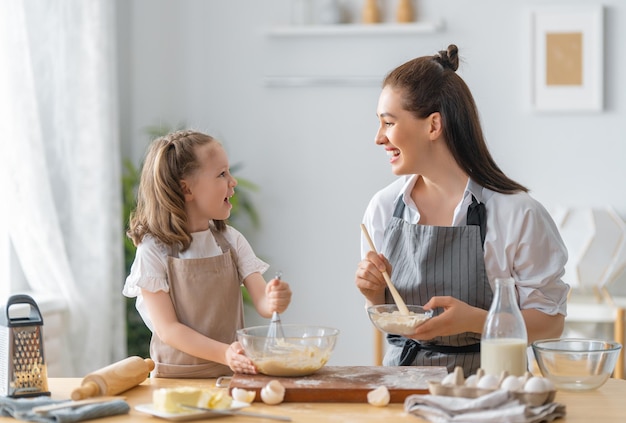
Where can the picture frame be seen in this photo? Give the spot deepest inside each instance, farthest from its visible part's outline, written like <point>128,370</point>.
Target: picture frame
<point>567,58</point>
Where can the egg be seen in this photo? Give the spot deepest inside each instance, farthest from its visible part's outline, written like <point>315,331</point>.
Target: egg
<point>243,395</point>
<point>379,397</point>
<point>488,382</point>
<point>536,385</point>
<point>549,385</point>
<point>471,381</point>
<point>511,383</point>
<point>449,380</point>
<point>455,378</point>
<point>273,393</point>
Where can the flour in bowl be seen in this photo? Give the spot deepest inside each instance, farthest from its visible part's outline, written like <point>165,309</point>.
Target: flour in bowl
<point>398,323</point>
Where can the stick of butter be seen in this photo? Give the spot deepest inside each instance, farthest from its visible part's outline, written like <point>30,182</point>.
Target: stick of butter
<point>170,400</point>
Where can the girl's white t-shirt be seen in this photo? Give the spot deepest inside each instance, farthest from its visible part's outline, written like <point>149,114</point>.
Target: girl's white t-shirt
<point>149,269</point>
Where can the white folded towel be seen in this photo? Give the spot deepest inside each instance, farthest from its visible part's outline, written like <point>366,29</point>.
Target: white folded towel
<point>497,407</point>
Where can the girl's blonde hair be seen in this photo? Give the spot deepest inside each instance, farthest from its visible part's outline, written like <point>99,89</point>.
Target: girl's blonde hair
<point>160,209</point>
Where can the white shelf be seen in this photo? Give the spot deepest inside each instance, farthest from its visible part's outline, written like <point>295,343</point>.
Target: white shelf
<point>322,81</point>
<point>355,29</point>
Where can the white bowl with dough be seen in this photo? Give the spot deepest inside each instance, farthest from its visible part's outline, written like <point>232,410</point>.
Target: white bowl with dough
<point>387,318</point>
<point>302,351</point>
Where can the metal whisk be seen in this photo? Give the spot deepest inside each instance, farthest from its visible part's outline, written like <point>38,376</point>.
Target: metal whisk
<point>275,329</point>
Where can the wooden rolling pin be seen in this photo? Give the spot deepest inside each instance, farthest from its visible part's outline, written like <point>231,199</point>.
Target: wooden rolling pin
<point>115,378</point>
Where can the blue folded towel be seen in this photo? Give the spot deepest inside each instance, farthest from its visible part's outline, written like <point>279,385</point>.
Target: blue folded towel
<point>22,409</point>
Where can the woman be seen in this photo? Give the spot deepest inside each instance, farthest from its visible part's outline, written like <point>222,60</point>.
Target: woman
<point>453,222</point>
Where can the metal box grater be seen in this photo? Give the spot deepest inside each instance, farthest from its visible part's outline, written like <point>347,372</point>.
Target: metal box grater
<point>22,366</point>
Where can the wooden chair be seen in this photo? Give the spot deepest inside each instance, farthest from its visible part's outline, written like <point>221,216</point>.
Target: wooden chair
<point>590,311</point>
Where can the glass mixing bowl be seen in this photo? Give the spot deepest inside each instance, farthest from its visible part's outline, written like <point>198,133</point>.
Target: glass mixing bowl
<point>302,351</point>
<point>576,364</point>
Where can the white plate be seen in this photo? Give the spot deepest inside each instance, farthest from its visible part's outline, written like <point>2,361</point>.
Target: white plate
<point>191,415</point>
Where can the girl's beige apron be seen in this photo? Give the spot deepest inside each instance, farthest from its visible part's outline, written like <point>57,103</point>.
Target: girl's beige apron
<point>206,294</point>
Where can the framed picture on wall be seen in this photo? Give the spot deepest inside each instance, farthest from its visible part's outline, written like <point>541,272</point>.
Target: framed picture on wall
<point>567,58</point>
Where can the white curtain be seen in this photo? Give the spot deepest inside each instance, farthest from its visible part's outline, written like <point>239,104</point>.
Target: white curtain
<point>61,171</point>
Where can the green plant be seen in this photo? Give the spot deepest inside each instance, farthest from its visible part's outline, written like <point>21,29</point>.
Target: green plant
<point>137,334</point>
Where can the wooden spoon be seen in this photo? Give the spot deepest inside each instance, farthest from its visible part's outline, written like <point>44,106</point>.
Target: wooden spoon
<point>402,308</point>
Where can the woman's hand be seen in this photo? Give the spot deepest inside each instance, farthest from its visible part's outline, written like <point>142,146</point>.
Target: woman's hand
<point>369,277</point>
<point>278,295</point>
<point>457,317</point>
<point>238,361</point>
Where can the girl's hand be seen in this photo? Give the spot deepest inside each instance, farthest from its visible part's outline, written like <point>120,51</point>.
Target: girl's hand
<point>278,295</point>
<point>457,317</point>
<point>238,361</point>
<point>369,277</point>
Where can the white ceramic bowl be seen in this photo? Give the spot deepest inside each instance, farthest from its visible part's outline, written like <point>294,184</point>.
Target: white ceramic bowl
<point>302,351</point>
<point>576,364</point>
<point>387,318</point>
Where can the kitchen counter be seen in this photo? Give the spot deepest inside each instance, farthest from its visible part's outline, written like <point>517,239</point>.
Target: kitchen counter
<point>606,404</point>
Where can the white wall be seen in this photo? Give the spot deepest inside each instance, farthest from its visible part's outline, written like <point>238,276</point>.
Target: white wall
<point>311,149</point>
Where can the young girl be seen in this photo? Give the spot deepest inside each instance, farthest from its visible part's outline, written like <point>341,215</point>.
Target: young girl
<point>190,264</point>
<point>453,222</point>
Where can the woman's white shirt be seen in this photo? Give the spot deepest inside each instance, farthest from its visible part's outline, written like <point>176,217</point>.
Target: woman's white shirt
<point>149,269</point>
<point>522,240</point>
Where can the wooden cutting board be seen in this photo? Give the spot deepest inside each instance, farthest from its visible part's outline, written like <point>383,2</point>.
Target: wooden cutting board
<point>347,383</point>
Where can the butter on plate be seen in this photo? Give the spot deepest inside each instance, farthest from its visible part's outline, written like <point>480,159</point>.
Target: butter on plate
<point>170,400</point>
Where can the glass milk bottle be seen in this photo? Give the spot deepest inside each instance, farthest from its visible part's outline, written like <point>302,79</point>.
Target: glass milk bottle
<point>504,339</point>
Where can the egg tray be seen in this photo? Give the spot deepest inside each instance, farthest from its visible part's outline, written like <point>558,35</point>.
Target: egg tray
<point>458,389</point>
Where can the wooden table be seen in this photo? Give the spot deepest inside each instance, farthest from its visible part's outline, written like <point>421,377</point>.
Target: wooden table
<point>606,404</point>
